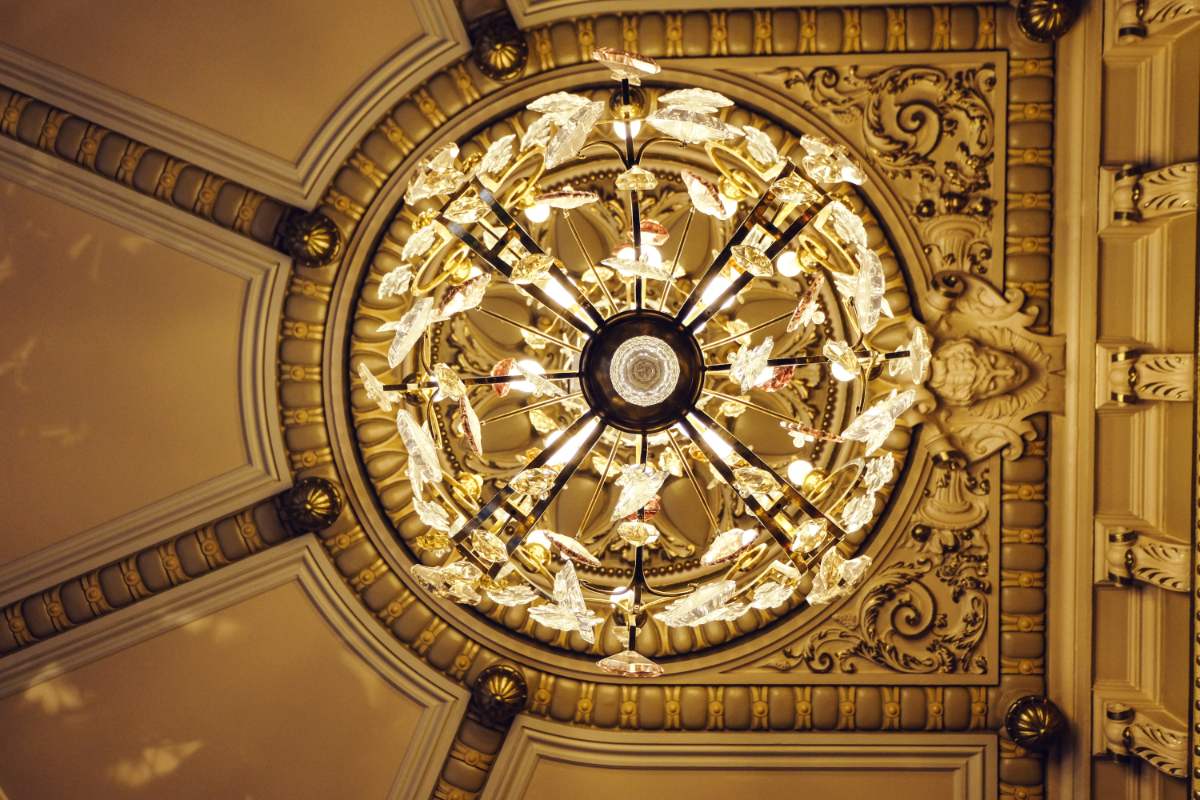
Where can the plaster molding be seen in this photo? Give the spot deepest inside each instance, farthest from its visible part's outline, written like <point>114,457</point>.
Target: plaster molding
<point>298,561</point>
<point>972,757</point>
<point>531,13</point>
<point>299,182</point>
<point>264,272</point>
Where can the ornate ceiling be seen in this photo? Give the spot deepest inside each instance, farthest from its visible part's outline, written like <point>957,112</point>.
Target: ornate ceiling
<point>205,562</point>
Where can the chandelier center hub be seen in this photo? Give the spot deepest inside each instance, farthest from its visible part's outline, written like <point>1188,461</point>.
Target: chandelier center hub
<point>644,370</point>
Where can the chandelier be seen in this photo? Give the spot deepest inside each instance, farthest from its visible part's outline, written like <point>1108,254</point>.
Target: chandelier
<point>630,352</point>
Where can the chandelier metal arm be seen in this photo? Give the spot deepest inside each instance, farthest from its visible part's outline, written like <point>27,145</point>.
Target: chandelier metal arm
<point>687,468</point>
<point>805,360</point>
<point>478,380</point>
<point>528,329</point>
<point>612,304</point>
<point>747,332</point>
<point>763,514</point>
<point>789,491</point>
<point>669,283</point>
<point>532,406</point>
<point>591,506</point>
<point>749,404</point>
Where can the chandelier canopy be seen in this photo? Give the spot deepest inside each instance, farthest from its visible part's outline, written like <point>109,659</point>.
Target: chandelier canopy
<point>637,345</point>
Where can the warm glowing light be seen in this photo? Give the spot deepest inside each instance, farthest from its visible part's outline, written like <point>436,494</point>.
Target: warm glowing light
<point>573,445</point>
<point>635,127</point>
<point>798,470</point>
<point>537,213</point>
<point>841,373</point>
<point>788,264</point>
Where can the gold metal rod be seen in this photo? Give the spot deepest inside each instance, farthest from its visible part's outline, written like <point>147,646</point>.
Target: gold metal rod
<point>587,515</point>
<point>670,282</point>
<point>751,404</point>
<point>524,409</point>
<point>528,329</point>
<point>747,332</point>
<point>591,264</point>
<point>695,482</point>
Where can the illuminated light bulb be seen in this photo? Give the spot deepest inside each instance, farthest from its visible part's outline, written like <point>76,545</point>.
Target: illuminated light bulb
<point>798,470</point>
<point>841,373</point>
<point>526,366</point>
<point>573,445</point>
<point>788,264</point>
<point>651,255</point>
<point>635,128</point>
<point>538,212</point>
<point>622,596</point>
<point>627,253</point>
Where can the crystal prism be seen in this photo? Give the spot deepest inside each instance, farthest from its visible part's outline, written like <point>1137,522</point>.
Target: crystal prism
<point>857,512</point>
<point>690,126</point>
<point>538,133</point>
<point>770,594</point>
<point>794,189</point>
<point>471,427</point>
<point>503,368</point>
<point>567,198</point>
<point>636,179</point>
<point>463,297</point>
<point>639,484</point>
<point>916,364</point>
<point>852,571</point>
<point>559,106</point>
<point>630,664</point>
<point>825,579</point>
<point>752,260</point>
<point>810,535</point>
<point>633,268</point>
<point>421,241</point>
<point>569,139</point>
<point>826,162</point>
<point>840,354</point>
<point>625,65</point>
<point>375,391</point>
<point>752,480</point>
<point>436,174</point>
<point>760,147</point>
<point>448,382</point>
<point>728,546</point>
<point>458,581</point>
<point>808,310</point>
<point>532,268</point>
<point>878,472</point>
<point>571,549</point>
<point>706,198</point>
<point>568,612</point>
<point>873,426</point>
<point>395,283</point>
<point>422,453</point>
<point>466,210</point>
<point>408,328</point>
<point>518,594</point>
<point>497,157</point>
<point>869,287</point>
<point>696,608</point>
<point>430,512</point>
<point>488,546</point>
<point>749,363</point>
<point>695,99</point>
<point>638,534</point>
<point>535,482</point>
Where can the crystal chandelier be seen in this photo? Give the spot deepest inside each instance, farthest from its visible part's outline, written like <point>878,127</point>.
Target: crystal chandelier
<point>634,350</point>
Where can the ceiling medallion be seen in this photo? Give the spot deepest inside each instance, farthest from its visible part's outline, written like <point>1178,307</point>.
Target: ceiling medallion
<point>632,352</point>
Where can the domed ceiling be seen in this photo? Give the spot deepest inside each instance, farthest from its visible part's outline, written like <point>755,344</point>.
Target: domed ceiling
<point>295,499</point>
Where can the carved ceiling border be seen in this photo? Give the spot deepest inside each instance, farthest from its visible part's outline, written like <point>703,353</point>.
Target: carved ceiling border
<point>400,136</point>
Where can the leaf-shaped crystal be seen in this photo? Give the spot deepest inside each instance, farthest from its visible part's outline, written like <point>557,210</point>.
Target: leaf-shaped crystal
<point>749,363</point>
<point>852,571</point>
<point>395,283</point>
<point>532,268</point>
<point>654,232</point>
<point>826,579</point>
<point>538,133</point>
<point>567,198</point>
<point>471,427</point>
<point>568,612</point>
<point>408,328</point>
<point>375,391</point>
<point>752,480</point>
<point>639,484</point>
<point>844,225</point>
<point>810,535</point>
<point>630,664</point>
<point>794,189</point>
<point>692,127</point>
<point>431,513</point>
<point>878,472</point>
<point>760,147</point>
<point>695,99</point>
<point>458,581</point>
<point>558,105</point>
<point>840,353</point>
<point>467,209</point>
<point>463,297</point>
<point>423,460</point>
<point>636,179</point>
<point>519,594</point>
<point>916,364</point>
<point>728,546</point>
<point>752,260</point>
<point>436,174</point>
<point>869,286</point>
<point>421,241</point>
<point>535,482</point>
<point>808,310</point>
<point>448,381</point>
<point>635,268</point>
<point>571,549</point>
<point>544,387</point>
<point>626,65</point>
<point>696,608</point>
<point>488,546</point>
<point>873,426</point>
<point>857,511</point>
<point>706,198</point>
<point>569,139</point>
<point>503,368</point>
<point>497,157</point>
<point>638,534</point>
<point>778,378</point>
<point>826,162</point>
<point>770,594</point>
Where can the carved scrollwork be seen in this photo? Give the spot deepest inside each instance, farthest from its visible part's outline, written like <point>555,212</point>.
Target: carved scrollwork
<point>1134,556</point>
<point>901,624</point>
<point>1140,19</point>
<point>1127,376</point>
<point>1134,732</point>
<point>1139,193</point>
<point>931,131</point>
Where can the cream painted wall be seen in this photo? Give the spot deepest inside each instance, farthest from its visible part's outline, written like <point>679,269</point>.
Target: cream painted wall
<point>119,371</point>
<point>260,700</point>
<point>267,73</point>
